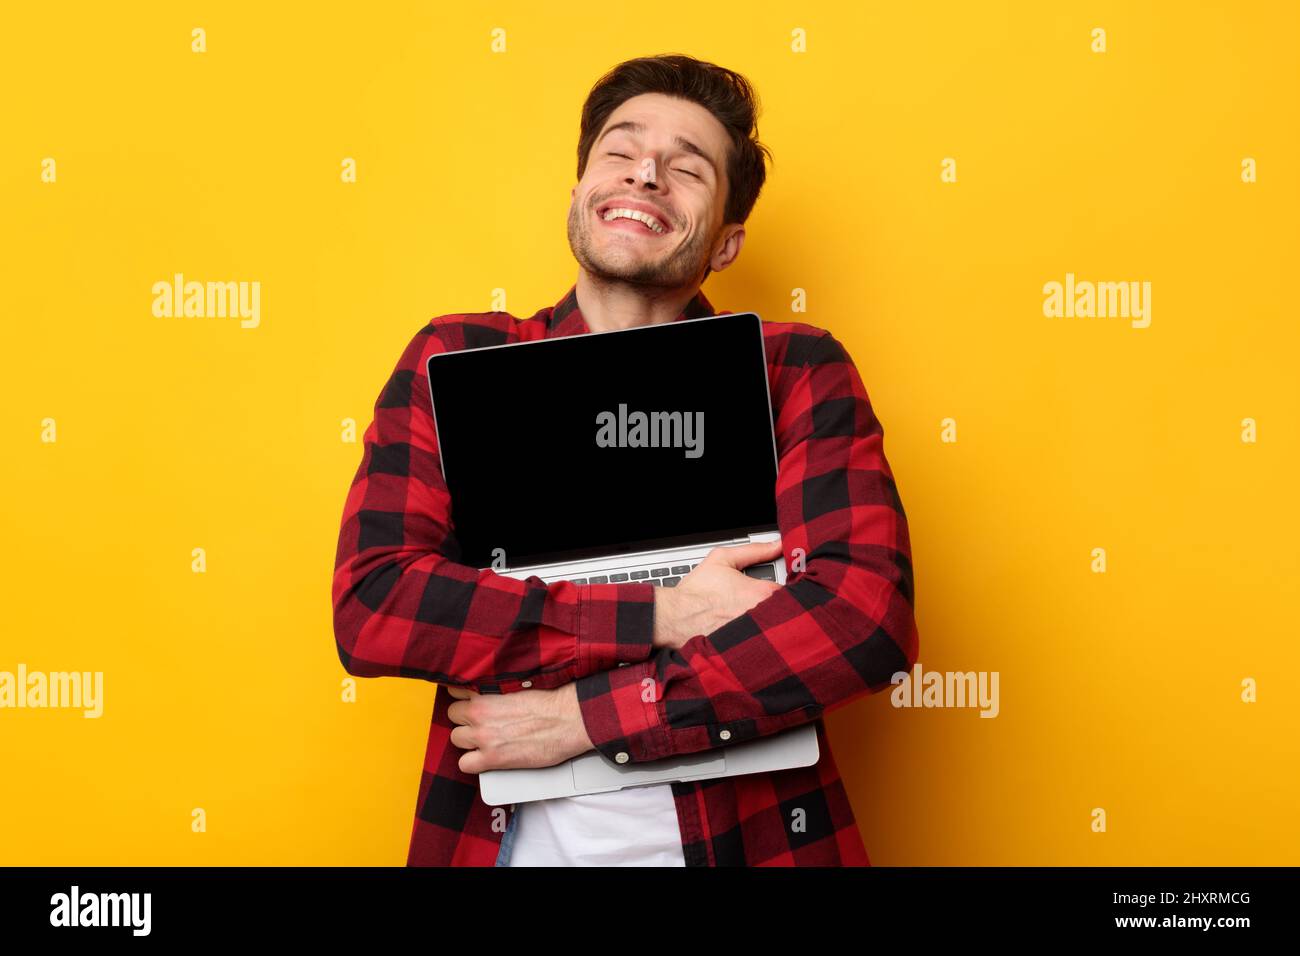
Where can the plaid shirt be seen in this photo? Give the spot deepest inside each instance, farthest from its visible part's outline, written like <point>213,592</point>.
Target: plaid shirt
<point>839,629</point>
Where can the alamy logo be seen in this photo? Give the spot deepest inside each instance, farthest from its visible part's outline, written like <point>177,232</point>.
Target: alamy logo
<point>74,689</point>
<point>102,909</point>
<point>651,430</point>
<point>922,688</point>
<point>1100,300</point>
<point>208,300</point>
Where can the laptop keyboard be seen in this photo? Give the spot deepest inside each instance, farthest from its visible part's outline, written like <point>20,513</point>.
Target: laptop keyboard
<point>667,576</point>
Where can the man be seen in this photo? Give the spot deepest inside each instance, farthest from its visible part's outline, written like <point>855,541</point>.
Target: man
<point>669,168</point>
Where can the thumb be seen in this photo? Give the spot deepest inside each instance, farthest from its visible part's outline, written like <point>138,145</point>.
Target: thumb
<point>743,555</point>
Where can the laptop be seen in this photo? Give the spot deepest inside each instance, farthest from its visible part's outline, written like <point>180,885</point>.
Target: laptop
<point>614,457</point>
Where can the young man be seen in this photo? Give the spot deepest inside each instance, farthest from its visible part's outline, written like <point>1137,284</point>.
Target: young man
<point>669,167</point>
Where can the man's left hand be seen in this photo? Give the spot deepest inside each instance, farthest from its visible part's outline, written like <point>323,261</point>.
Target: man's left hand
<point>527,728</point>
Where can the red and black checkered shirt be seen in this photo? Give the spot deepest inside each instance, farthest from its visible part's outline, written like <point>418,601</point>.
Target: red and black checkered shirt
<point>837,630</point>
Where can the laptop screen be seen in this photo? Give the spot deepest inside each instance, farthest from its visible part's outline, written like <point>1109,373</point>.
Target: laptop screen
<point>608,442</point>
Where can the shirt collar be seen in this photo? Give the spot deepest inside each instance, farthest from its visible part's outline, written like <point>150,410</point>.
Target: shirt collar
<point>566,318</point>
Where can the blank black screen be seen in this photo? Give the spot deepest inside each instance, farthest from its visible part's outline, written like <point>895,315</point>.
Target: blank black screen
<point>517,428</point>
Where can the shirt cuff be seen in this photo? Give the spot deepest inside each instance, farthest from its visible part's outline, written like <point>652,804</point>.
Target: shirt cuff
<point>615,625</point>
<point>624,714</point>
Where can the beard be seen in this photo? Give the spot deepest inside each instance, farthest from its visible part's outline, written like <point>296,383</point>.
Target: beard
<point>610,259</point>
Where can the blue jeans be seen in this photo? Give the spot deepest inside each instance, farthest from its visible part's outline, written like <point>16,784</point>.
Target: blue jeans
<point>508,841</point>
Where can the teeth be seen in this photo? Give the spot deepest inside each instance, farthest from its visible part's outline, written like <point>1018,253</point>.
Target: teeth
<point>619,213</point>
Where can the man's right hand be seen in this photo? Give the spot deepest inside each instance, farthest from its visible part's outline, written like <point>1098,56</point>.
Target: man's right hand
<point>715,592</point>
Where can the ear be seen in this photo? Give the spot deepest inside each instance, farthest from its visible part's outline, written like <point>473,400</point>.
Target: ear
<point>729,249</point>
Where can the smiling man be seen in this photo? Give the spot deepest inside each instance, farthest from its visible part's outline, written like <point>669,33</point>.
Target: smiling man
<point>669,168</point>
<point>654,211</point>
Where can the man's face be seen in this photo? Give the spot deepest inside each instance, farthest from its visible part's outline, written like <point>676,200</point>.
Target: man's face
<point>647,168</point>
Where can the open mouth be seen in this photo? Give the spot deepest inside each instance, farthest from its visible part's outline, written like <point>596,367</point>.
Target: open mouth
<point>631,220</point>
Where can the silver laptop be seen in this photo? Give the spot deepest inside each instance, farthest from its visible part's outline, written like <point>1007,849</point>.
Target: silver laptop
<point>614,457</point>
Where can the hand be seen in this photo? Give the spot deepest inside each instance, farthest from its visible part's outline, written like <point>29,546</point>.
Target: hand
<point>528,728</point>
<point>715,592</point>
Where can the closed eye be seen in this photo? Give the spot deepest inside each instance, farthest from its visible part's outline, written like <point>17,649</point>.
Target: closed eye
<point>686,171</point>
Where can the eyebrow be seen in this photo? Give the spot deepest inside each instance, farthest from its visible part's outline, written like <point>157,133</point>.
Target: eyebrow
<point>632,126</point>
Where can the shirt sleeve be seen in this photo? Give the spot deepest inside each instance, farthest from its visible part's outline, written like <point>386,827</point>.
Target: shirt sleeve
<point>840,628</point>
<point>404,607</point>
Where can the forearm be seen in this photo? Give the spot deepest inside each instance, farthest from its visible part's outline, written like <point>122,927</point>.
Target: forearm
<point>737,683</point>
<point>440,621</point>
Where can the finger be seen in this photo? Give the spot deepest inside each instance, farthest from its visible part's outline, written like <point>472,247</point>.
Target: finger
<point>743,555</point>
<point>461,693</point>
<point>463,737</point>
<point>458,713</point>
<point>471,761</point>
<point>766,589</point>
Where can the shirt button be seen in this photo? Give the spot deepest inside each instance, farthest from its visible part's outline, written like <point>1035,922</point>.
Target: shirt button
<point>724,734</point>
<point>526,683</point>
<point>621,756</point>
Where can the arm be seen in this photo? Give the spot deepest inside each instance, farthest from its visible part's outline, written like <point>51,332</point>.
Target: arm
<point>404,607</point>
<point>836,631</point>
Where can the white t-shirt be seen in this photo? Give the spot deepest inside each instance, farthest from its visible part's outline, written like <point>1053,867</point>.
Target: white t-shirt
<point>636,826</point>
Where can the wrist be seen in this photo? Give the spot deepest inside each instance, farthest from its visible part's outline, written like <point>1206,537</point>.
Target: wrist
<point>663,635</point>
<point>571,711</point>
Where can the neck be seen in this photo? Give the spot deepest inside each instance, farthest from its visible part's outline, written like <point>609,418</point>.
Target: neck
<point>608,305</point>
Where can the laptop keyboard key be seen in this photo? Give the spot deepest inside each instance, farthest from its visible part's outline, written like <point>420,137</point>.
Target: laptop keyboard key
<point>659,572</point>
<point>670,582</point>
<point>578,581</point>
<point>682,569</point>
<point>617,578</point>
<point>598,579</point>
<point>638,575</point>
<point>764,572</point>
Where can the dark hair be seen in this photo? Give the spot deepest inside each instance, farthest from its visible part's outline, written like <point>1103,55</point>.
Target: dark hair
<point>724,93</point>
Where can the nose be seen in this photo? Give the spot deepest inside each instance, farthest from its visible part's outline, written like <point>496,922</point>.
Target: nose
<point>646,173</point>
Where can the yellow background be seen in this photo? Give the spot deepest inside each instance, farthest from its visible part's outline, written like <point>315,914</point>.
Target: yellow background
<point>222,690</point>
